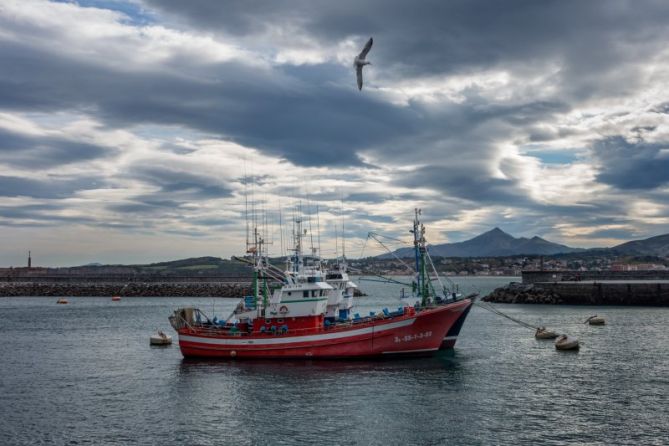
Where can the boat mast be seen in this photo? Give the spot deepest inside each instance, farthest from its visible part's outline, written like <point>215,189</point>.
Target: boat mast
<point>422,284</point>
<point>414,231</point>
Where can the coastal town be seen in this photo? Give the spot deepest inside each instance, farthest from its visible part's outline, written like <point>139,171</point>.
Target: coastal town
<point>515,265</point>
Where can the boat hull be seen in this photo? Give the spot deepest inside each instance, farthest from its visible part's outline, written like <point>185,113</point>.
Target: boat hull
<point>418,334</point>
<point>452,335</point>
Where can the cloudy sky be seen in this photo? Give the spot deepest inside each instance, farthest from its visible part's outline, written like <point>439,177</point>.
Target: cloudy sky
<point>132,130</point>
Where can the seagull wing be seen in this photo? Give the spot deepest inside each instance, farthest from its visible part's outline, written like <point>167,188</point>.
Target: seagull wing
<point>365,50</point>
<point>358,73</point>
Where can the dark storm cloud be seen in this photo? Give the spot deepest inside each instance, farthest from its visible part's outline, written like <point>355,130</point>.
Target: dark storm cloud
<point>55,187</point>
<point>21,150</point>
<point>627,165</point>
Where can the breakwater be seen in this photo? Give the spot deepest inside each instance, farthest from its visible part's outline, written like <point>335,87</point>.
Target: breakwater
<point>611,292</point>
<point>72,286</point>
<point>127,289</point>
<point>530,276</point>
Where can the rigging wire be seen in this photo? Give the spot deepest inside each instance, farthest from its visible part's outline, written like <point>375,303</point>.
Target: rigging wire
<point>499,313</point>
<point>373,235</point>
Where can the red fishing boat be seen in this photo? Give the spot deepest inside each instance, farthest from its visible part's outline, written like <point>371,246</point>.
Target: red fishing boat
<point>296,319</point>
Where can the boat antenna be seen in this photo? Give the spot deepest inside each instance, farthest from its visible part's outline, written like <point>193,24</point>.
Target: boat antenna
<point>343,236</point>
<point>318,230</point>
<point>311,232</point>
<point>336,244</point>
<point>246,203</point>
<point>281,229</point>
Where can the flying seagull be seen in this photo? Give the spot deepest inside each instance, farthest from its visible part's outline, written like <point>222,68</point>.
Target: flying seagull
<point>360,61</point>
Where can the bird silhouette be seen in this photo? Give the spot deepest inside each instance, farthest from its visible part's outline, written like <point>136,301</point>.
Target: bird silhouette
<point>360,61</point>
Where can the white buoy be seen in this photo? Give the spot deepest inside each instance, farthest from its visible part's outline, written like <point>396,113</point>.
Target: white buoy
<point>596,320</point>
<point>565,342</point>
<point>161,339</point>
<point>543,333</point>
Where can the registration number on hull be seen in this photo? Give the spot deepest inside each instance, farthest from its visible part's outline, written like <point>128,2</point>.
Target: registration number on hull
<point>414,337</point>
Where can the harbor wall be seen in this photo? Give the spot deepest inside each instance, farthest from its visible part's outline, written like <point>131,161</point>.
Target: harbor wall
<point>652,293</point>
<point>127,289</point>
<point>116,287</point>
<point>572,275</point>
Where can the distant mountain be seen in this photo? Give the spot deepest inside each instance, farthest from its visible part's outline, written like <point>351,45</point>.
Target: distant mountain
<point>653,246</point>
<point>494,243</point>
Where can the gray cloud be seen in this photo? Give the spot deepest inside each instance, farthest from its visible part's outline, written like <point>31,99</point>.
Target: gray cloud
<point>39,152</point>
<point>436,37</point>
<point>627,165</point>
<point>52,188</point>
<point>312,115</point>
<point>178,183</point>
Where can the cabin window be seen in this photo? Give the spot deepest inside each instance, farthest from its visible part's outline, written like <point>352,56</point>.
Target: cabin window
<point>268,321</point>
<point>305,293</point>
<point>279,321</point>
<point>289,293</point>
<point>313,293</point>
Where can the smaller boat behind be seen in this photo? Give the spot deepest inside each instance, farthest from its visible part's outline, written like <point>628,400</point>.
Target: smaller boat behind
<point>596,320</point>
<point>62,300</point>
<point>161,338</point>
<point>543,333</point>
<point>565,342</point>
<point>116,298</point>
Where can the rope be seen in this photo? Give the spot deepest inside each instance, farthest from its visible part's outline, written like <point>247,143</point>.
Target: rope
<point>496,311</point>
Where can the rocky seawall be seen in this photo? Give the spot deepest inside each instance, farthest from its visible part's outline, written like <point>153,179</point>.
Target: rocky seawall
<point>131,289</point>
<point>518,293</point>
<point>650,293</point>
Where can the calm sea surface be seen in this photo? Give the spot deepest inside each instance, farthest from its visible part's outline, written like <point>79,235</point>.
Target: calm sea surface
<point>84,374</point>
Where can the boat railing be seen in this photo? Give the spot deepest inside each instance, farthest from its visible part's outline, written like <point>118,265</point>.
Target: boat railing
<point>213,329</point>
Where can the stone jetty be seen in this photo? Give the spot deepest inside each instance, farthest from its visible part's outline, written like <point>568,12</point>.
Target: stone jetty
<point>588,292</point>
<point>147,286</point>
<point>130,289</point>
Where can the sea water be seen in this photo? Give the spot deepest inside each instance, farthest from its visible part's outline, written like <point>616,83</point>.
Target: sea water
<point>84,373</point>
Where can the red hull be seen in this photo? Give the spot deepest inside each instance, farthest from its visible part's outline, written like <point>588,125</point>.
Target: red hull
<point>452,334</point>
<point>421,333</point>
